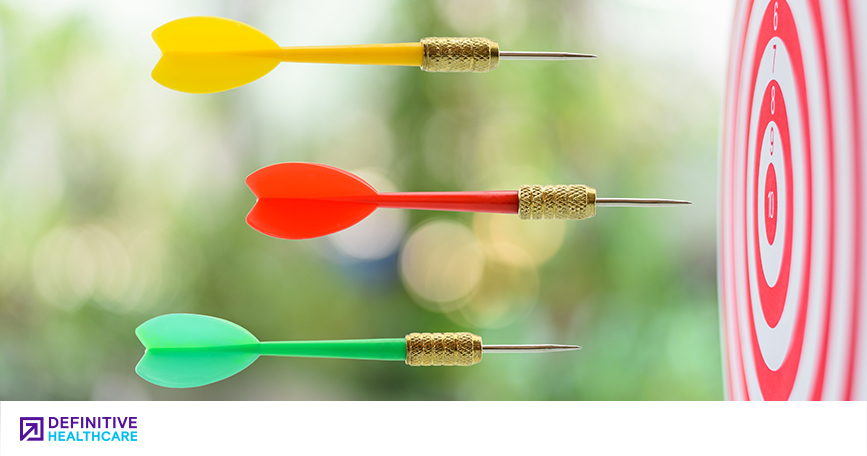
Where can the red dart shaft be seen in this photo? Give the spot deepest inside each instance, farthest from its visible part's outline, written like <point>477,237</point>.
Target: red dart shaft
<point>497,202</point>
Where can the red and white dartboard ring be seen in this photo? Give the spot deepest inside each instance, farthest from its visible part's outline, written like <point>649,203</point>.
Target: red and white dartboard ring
<point>792,214</point>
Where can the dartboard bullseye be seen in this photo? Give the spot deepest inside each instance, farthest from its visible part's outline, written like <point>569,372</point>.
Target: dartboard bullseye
<point>792,202</point>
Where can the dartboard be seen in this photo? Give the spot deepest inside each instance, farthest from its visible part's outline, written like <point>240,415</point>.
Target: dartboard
<point>793,282</point>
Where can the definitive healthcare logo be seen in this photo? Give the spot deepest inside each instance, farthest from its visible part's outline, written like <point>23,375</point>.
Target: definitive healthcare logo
<point>32,428</point>
<point>79,429</point>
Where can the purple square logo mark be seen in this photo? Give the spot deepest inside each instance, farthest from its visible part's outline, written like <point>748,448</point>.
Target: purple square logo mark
<point>32,428</point>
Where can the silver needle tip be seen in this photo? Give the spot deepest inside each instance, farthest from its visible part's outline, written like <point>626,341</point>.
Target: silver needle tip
<point>547,348</point>
<point>519,55</point>
<point>638,202</point>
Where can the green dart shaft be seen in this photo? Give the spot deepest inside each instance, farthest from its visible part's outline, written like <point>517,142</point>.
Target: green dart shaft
<point>371,349</point>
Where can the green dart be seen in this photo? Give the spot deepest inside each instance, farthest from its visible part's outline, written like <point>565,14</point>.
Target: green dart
<point>188,350</point>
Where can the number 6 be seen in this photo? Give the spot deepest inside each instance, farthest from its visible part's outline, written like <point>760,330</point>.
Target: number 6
<point>776,5</point>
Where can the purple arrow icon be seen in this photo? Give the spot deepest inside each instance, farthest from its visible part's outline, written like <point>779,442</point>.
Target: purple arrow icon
<point>31,428</point>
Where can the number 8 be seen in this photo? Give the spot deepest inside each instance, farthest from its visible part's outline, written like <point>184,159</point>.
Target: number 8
<point>773,99</point>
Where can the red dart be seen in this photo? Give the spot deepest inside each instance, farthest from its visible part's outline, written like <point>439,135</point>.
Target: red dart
<point>307,200</point>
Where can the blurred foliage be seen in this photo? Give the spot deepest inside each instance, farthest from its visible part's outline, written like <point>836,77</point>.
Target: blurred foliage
<point>121,200</point>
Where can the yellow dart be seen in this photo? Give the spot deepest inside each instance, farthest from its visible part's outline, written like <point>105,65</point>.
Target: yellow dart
<point>206,54</point>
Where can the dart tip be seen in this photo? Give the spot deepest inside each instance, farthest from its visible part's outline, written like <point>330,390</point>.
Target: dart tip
<point>546,348</point>
<point>574,55</point>
<point>670,202</point>
<point>638,202</point>
<point>520,55</point>
<point>564,347</point>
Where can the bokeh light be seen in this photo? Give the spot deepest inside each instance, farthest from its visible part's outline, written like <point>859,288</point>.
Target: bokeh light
<point>442,261</point>
<point>516,242</point>
<point>506,293</point>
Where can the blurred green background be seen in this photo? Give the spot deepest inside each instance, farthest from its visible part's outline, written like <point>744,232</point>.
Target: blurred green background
<point>121,200</point>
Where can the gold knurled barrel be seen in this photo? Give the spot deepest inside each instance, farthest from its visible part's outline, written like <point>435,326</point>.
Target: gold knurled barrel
<point>571,202</point>
<point>460,55</point>
<point>443,349</point>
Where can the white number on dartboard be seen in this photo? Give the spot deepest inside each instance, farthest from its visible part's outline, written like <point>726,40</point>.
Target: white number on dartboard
<point>772,140</point>
<point>776,5</point>
<point>771,204</point>
<point>773,99</point>
<point>774,61</point>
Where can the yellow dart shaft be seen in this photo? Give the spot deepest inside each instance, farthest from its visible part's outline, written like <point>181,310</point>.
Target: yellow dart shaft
<point>402,54</point>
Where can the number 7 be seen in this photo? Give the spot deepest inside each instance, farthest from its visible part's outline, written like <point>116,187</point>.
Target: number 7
<point>774,61</point>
